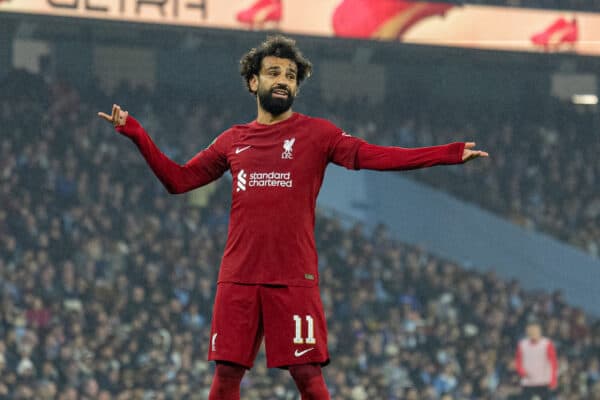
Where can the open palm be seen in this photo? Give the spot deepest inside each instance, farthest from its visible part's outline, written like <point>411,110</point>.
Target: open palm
<point>470,154</point>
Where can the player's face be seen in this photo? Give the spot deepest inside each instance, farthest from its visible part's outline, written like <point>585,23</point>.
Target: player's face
<point>276,85</point>
<point>534,332</point>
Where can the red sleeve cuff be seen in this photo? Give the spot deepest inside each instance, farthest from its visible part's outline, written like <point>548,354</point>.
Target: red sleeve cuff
<point>461,150</point>
<point>132,128</point>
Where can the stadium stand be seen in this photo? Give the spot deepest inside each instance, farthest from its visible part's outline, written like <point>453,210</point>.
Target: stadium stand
<point>107,282</point>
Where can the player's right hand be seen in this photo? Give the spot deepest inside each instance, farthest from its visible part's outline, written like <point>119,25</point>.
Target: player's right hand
<point>118,116</point>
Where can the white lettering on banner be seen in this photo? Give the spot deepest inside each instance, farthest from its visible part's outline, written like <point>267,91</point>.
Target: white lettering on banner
<point>164,7</point>
<point>189,12</point>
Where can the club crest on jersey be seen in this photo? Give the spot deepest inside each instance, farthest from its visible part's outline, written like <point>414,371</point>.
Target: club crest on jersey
<point>288,145</point>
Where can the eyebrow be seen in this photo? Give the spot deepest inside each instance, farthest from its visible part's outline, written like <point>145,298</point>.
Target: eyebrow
<point>277,67</point>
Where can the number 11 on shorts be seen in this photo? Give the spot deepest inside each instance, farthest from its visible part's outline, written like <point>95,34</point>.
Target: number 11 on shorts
<point>310,338</point>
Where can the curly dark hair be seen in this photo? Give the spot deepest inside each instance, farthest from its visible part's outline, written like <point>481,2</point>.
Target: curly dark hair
<point>277,46</point>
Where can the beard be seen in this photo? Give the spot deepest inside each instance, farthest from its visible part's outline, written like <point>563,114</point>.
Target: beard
<point>275,105</point>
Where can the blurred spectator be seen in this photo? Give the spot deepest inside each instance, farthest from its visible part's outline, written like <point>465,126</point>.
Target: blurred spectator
<point>536,364</point>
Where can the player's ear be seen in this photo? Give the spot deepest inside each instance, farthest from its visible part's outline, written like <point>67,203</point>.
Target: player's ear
<point>253,84</point>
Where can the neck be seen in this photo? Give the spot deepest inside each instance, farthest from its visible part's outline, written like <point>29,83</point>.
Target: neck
<point>266,118</point>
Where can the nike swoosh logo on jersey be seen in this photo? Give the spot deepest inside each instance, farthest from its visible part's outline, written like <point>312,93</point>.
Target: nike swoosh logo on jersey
<point>239,150</point>
<point>303,352</point>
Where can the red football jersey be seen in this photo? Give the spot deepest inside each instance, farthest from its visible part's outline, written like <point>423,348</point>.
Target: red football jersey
<point>277,173</point>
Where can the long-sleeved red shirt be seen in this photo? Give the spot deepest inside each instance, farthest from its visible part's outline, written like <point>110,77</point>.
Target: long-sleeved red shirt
<point>277,173</point>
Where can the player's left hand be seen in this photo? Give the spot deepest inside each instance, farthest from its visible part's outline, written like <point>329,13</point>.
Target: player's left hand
<point>470,154</point>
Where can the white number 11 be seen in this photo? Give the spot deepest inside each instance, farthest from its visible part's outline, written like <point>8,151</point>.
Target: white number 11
<point>310,338</point>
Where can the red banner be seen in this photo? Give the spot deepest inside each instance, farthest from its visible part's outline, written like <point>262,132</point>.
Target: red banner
<point>408,21</point>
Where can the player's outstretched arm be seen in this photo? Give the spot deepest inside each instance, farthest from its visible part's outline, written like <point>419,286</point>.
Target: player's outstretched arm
<point>204,168</point>
<point>399,158</point>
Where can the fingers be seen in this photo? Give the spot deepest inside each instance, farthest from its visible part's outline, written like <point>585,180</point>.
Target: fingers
<point>116,113</point>
<point>105,116</point>
<point>473,154</point>
<point>470,154</point>
<point>476,153</point>
<point>114,118</point>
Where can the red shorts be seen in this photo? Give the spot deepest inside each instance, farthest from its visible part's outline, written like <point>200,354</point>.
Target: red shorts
<point>290,318</point>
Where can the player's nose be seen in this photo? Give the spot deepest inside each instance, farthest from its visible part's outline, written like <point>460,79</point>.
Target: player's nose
<point>282,79</point>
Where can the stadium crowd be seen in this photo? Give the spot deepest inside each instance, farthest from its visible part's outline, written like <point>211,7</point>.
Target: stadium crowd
<point>533,179</point>
<point>107,282</point>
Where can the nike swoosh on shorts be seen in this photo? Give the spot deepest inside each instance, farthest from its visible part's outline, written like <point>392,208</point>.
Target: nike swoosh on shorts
<point>303,352</point>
